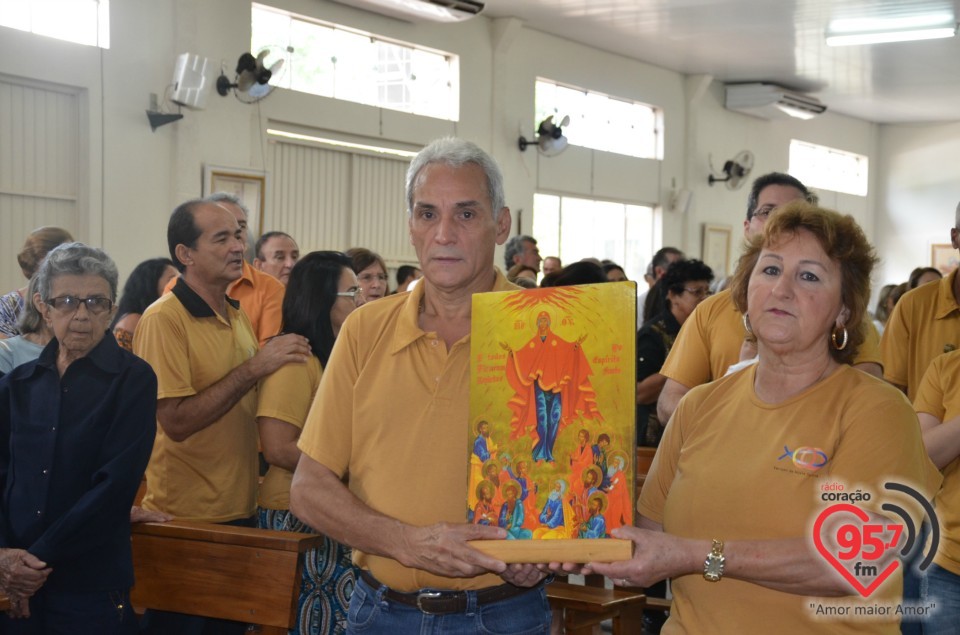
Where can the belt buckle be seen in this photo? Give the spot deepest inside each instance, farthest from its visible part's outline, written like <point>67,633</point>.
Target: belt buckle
<point>427,595</point>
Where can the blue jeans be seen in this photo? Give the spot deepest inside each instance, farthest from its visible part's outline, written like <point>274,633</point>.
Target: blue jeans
<point>524,614</point>
<point>943,588</point>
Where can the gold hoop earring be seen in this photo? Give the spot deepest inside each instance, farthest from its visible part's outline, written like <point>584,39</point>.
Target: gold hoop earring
<point>746,325</point>
<point>833,338</point>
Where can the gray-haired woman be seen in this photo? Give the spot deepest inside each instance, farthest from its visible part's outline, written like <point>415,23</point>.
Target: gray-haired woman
<point>76,430</point>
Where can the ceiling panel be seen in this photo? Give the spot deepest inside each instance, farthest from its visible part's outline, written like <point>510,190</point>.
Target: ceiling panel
<point>769,40</point>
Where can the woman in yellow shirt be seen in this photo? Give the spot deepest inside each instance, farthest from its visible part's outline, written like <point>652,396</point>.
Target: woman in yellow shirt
<point>321,292</point>
<point>728,509</point>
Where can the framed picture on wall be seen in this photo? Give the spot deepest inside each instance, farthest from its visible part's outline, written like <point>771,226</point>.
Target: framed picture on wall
<point>716,248</point>
<point>943,257</point>
<point>250,186</point>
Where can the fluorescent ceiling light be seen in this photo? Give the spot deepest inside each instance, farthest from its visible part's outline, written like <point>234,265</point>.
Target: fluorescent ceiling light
<point>851,32</point>
<point>341,144</point>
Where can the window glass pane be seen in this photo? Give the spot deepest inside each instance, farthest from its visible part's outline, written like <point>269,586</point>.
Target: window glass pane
<point>360,67</point>
<point>79,21</point>
<point>829,168</point>
<point>312,67</point>
<point>546,224</point>
<point>598,121</point>
<point>577,228</point>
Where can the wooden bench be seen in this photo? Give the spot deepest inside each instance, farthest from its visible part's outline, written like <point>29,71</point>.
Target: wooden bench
<point>644,461</point>
<point>581,608</point>
<point>233,573</point>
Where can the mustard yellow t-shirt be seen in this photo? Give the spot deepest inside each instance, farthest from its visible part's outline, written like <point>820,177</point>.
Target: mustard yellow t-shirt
<point>925,323</point>
<point>726,469</point>
<point>286,395</point>
<point>393,411</point>
<point>709,342</point>
<point>211,476</point>
<point>939,395</point>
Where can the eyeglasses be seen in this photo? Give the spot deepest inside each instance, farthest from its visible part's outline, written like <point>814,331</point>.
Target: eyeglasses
<point>355,294</point>
<point>370,277</point>
<point>66,304</point>
<point>763,213</point>
<point>697,293</point>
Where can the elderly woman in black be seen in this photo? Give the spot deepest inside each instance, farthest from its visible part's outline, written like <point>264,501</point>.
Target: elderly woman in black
<point>76,430</point>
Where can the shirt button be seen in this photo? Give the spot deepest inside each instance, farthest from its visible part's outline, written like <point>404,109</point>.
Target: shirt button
<point>39,513</point>
<point>44,472</point>
<point>53,429</point>
<point>65,389</point>
<point>433,343</point>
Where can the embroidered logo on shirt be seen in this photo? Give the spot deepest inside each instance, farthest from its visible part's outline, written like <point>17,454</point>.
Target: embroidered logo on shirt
<point>805,458</point>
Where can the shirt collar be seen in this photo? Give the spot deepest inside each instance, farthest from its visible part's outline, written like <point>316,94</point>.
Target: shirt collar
<point>245,278</point>
<point>193,303</point>
<point>106,355</point>
<point>946,302</point>
<point>408,328</point>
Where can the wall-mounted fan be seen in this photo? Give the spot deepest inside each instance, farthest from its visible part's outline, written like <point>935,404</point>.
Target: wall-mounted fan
<point>550,140</point>
<point>252,80</point>
<point>735,170</point>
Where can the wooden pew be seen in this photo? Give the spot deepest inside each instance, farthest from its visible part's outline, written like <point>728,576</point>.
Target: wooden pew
<point>581,608</point>
<point>644,461</point>
<point>234,573</point>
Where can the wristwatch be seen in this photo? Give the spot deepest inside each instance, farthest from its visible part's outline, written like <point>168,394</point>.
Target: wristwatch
<point>713,565</point>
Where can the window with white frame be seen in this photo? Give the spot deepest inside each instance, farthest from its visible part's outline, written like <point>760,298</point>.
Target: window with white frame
<point>80,21</point>
<point>576,228</point>
<point>333,61</point>
<point>829,168</point>
<point>599,121</point>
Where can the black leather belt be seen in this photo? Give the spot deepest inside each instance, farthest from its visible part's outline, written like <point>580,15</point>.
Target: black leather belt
<point>438,602</point>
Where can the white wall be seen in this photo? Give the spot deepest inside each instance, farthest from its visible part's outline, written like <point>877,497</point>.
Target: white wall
<point>134,177</point>
<point>918,195</point>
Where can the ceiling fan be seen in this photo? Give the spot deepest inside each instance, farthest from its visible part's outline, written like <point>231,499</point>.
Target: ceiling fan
<point>550,140</point>
<point>252,80</point>
<point>735,170</point>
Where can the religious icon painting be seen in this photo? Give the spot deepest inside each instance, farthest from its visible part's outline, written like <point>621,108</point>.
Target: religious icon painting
<point>552,421</point>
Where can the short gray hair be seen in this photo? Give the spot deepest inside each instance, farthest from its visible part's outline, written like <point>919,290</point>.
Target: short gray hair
<point>227,197</point>
<point>514,247</point>
<point>76,259</point>
<point>456,153</point>
<point>30,319</point>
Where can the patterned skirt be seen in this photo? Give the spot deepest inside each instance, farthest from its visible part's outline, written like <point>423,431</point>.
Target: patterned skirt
<point>328,578</point>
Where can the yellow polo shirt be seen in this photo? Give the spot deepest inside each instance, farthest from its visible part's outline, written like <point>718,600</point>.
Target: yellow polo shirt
<point>211,476</point>
<point>727,468</point>
<point>286,395</point>
<point>392,410</point>
<point>925,323</point>
<point>709,343</point>
<point>939,395</point>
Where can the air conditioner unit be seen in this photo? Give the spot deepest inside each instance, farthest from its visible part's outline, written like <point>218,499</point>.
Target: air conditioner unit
<point>769,101</point>
<point>421,10</point>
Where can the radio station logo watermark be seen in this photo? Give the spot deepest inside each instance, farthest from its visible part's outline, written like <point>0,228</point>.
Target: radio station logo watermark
<point>866,549</point>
